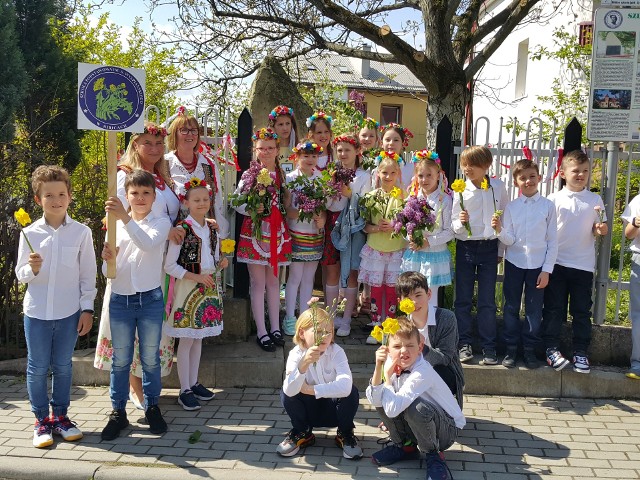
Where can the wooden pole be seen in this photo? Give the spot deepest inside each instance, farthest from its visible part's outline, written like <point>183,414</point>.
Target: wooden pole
<point>112,170</point>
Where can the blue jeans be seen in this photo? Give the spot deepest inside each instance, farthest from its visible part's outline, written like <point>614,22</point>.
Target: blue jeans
<point>573,287</point>
<point>514,280</point>
<point>50,344</point>
<point>143,312</point>
<point>634,311</point>
<point>476,260</point>
<point>307,411</point>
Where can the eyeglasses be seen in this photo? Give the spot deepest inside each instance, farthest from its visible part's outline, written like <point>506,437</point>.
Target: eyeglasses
<point>187,131</point>
<point>266,149</point>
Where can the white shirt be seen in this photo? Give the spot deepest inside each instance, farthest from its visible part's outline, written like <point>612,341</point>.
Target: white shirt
<point>139,260</point>
<point>166,202</point>
<point>442,231</point>
<point>530,232</point>
<point>330,376</point>
<point>66,281</point>
<point>431,321</point>
<point>294,223</point>
<point>480,206</point>
<point>576,216</point>
<point>632,210</point>
<point>180,176</point>
<point>207,258</point>
<point>423,382</point>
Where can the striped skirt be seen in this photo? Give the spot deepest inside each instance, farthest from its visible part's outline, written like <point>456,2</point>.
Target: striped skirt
<point>306,247</point>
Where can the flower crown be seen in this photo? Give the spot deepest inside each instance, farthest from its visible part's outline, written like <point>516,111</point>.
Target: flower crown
<point>369,122</point>
<point>194,182</point>
<point>318,115</point>
<point>181,110</point>
<point>264,134</point>
<point>155,130</point>
<point>406,131</point>
<point>281,110</point>
<point>428,154</point>
<point>345,139</point>
<point>308,147</point>
<point>392,155</point>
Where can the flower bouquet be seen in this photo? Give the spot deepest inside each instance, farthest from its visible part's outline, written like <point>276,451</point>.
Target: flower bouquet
<point>310,195</point>
<point>412,221</point>
<point>459,186</point>
<point>369,159</point>
<point>257,189</point>
<point>339,177</point>
<point>377,203</point>
<point>382,333</point>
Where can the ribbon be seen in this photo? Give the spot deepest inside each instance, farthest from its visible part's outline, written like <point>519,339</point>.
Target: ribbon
<point>526,151</point>
<point>275,220</point>
<point>559,165</point>
<point>171,282</point>
<point>228,144</point>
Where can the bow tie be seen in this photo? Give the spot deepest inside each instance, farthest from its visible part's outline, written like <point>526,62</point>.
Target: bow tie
<point>399,371</point>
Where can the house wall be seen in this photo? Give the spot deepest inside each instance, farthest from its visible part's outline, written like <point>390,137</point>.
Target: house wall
<point>500,90</point>
<point>413,113</point>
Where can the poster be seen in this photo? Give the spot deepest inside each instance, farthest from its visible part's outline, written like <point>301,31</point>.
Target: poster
<point>614,102</point>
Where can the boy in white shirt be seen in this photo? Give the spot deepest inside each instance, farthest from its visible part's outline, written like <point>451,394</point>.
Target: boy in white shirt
<point>529,231</point>
<point>631,217</point>
<point>136,302</point>
<point>580,218</point>
<point>60,273</point>
<point>414,403</point>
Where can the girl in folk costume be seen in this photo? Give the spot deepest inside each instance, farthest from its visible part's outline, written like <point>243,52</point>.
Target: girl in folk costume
<point>382,254</point>
<point>265,243</point>
<point>283,122</point>
<point>395,138</point>
<point>194,302</point>
<point>186,159</point>
<point>145,152</point>
<point>433,259</point>
<point>319,125</point>
<point>348,235</point>
<point>307,236</point>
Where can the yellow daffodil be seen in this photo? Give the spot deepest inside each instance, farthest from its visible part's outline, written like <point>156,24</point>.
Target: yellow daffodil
<point>227,246</point>
<point>22,217</point>
<point>458,185</point>
<point>407,306</point>
<point>484,185</point>
<point>377,333</point>
<point>264,178</point>
<point>396,193</point>
<point>390,326</point>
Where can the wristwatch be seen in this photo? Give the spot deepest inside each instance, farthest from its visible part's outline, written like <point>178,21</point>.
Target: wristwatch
<point>87,311</point>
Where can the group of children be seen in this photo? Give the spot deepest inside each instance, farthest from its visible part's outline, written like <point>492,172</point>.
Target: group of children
<point>548,245</point>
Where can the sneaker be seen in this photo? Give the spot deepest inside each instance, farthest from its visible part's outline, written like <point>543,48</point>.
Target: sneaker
<point>509,360</point>
<point>65,428</point>
<point>42,433</point>
<point>202,393</point>
<point>393,453</point>
<point>436,467</point>
<point>293,442</point>
<point>344,331</point>
<point>555,359</point>
<point>489,357</point>
<point>465,353</point>
<point>289,325</point>
<point>349,444</point>
<point>117,422</point>
<point>633,374</point>
<point>188,401</point>
<point>371,341</point>
<point>581,363</point>
<point>338,322</point>
<point>157,425</point>
<point>530,360</point>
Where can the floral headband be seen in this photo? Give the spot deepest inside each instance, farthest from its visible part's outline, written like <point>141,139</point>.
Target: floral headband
<point>308,147</point>
<point>345,139</point>
<point>425,154</point>
<point>181,110</point>
<point>154,130</point>
<point>264,134</point>
<point>318,115</point>
<point>280,110</point>
<point>195,182</point>
<point>369,122</point>
<point>406,131</point>
<point>392,155</point>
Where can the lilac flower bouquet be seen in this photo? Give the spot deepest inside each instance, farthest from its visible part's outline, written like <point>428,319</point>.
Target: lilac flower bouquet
<point>339,177</point>
<point>258,188</point>
<point>414,219</point>
<point>310,196</point>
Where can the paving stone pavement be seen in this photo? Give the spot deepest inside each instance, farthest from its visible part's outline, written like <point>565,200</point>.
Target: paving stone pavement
<point>505,438</point>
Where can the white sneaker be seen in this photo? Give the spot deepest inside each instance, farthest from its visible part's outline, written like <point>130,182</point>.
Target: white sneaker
<point>344,331</point>
<point>42,436</point>
<point>338,322</point>
<point>65,428</point>
<point>371,341</point>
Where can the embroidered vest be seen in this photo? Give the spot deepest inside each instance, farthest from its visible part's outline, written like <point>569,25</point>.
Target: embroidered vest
<point>191,250</point>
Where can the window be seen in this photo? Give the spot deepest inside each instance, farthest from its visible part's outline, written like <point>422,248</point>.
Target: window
<point>521,72</point>
<point>390,114</point>
<point>344,69</point>
<point>586,34</point>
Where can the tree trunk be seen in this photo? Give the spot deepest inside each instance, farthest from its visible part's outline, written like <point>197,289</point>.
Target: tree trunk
<point>450,102</point>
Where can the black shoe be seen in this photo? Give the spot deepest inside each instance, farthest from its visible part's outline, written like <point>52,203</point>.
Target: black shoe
<point>530,360</point>
<point>510,358</point>
<point>277,338</point>
<point>117,422</point>
<point>157,424</point>
<point>266,344</point>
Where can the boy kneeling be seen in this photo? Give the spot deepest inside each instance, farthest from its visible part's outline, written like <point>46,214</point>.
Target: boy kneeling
<point>414,403</point>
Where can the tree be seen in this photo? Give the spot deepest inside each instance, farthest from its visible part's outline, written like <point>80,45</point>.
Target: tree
<point>13,77</point>
<point>456,38</point>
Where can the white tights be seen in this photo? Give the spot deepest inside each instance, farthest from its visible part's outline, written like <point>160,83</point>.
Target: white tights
<point>189,350</point>
<point>301,277</point>
<point>261,278</point>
